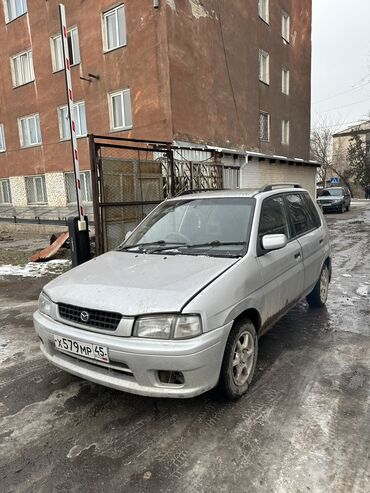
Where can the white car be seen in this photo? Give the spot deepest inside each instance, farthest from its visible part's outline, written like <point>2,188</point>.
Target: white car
<point>179,307</point>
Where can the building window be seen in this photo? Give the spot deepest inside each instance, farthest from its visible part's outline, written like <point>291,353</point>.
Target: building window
<point>263,10</point>
<point>2,138</point>
<point>85,178</point>
<point>114,28</point>
<point>264,67</point>
<point>36,190</point>
<point>22,68</point>
<point>285,80</point>
<point>285,26</point>
<point>120,110</point>
<point>264,127</point>
<point>79,115</point>
<point>285,130</point>
<point>29,130</point>
<point>14,9</point>
<point>5,196</point>
<point>57,50</point>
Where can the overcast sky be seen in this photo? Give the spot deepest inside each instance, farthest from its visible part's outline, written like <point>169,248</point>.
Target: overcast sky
<point>340,62</point>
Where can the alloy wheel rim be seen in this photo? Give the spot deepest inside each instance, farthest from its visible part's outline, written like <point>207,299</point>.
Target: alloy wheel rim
<point>243,358</point>
<point>324,285</point>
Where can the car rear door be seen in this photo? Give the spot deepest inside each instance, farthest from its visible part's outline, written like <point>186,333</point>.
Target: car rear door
<point>281,270</point>
<point>310,234</point>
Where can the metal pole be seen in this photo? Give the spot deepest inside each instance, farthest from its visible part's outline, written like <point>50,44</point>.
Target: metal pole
<point>76,164</point>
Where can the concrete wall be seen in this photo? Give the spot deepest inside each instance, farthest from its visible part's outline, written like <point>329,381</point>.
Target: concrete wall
<point>256,173</point>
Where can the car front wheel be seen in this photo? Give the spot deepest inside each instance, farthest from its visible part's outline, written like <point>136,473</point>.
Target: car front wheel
<point>318,296</point>
<point>239,360</point>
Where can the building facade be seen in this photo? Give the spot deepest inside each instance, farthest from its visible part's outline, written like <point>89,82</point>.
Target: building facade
<point>228,74</point>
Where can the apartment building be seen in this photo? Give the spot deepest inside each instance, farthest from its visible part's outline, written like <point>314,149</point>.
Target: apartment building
<point>235,75</point>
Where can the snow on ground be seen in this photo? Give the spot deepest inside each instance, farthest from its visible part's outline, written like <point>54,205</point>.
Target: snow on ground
<point>35,269</point>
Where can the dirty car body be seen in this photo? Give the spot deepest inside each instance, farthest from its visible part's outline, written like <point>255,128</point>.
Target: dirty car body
<point>158,316</point>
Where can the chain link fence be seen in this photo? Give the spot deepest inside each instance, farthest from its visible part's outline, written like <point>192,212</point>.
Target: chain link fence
<point>130,178</point>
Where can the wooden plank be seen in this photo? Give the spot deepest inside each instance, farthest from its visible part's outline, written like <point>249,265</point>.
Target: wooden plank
<point>50,250</point>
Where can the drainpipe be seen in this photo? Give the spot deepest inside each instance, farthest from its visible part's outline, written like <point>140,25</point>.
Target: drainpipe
<point>242,168</point>
<point>156,4</point>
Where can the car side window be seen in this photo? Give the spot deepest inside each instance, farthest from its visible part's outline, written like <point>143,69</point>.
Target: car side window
<point>299,214</point>
<point>313,211</point>
<point>273,219</point>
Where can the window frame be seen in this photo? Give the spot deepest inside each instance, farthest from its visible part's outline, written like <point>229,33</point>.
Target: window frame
<point>38,130</point>
<point>285,81</point>
<point>84,188</point>
<point>58,36</point>
<point>264,16</point>
<point>285,23</point>
<point>2,196</point>
<point>6,10</point>
<point>263,55</point>
<point>268,126</point>
<point>260,249</point>
<point>296,236</point>
<point>63,107</point>
<point>105,14</point>
<point>111,95</point>
<point>2,138</point>
<point>16,65</point>
<point>285,132</point>
<point>43,185</point>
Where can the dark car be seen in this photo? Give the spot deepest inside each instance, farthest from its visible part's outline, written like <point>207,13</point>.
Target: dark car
<point>334,199</point>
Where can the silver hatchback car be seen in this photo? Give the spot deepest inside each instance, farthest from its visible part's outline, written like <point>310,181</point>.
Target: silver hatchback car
<point>179,307</point>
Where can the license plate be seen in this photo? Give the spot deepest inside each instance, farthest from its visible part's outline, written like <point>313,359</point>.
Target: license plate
<point>91,351</point>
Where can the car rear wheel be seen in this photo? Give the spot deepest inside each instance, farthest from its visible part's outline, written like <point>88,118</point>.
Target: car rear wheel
<point>239,360</point>
<point>318,296</point>
<point>348,207</point>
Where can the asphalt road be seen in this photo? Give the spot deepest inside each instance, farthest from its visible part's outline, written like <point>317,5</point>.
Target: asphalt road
<point>303,427</point>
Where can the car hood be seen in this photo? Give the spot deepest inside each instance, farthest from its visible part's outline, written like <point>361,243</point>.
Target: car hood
<point>328,197</point>
<point>136,284</point>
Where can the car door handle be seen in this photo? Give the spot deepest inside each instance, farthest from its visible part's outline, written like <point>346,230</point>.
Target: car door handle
<point>297,256</point>
<point>321,241</point>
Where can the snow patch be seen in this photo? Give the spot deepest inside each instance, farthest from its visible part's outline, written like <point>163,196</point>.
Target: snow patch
<point>34,269</point>
<point>363,291</point>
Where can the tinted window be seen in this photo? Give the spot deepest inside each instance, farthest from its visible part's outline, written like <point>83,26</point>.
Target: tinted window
<point>273,218</point>
<point>299,214</point>
<point>313,211</point>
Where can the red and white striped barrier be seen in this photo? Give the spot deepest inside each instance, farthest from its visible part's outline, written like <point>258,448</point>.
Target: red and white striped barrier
<point>76,162</point>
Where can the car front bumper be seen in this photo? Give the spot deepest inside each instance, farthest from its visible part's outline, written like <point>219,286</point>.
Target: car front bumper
<point>331,207</point>
<point>134,362</point>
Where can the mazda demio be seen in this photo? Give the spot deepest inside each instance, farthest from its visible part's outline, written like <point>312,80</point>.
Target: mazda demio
<point>178,308</point>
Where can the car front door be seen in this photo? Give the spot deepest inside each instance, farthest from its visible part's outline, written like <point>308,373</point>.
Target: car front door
<point>310,233</point>
<point>281,270</point>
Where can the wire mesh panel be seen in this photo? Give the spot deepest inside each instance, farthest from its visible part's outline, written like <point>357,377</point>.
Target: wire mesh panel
<point>128,181</point>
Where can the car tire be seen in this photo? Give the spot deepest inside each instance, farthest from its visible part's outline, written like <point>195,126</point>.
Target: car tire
<point>239,361</point>
<point>348,208</point>
<point>318,296</point>
<point>342,210</point>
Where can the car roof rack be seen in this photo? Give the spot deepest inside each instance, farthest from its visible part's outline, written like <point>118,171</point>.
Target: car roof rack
<point>199,190</point>
<point>272,186</point>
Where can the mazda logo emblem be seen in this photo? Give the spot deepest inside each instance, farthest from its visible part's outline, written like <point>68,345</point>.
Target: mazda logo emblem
<point>84,316</point>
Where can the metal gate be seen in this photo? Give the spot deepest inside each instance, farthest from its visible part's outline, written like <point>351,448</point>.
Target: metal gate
<point>130,177</point>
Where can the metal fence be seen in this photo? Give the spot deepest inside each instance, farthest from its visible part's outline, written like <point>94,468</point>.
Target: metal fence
<point>130,177</point>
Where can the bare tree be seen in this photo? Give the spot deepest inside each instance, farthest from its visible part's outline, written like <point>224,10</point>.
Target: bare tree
<point>322,149</point>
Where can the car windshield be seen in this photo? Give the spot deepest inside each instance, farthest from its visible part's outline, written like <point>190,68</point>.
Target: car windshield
<point>332,192</point>
<point>198,226</point>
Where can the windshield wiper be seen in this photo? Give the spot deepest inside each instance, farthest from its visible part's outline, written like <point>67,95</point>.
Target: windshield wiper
<point>209,244</point>
<point>141,246</point>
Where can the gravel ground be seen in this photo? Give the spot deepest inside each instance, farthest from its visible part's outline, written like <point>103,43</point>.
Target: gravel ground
<point>303,427</point>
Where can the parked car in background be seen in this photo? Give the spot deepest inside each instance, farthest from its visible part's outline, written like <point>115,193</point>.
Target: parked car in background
<point>334,199</point>
<point>179,307</point>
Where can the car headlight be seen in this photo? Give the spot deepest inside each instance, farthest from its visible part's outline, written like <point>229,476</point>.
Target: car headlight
<point>337,200</point>
<point>45,305</point>
<point>168,327</point>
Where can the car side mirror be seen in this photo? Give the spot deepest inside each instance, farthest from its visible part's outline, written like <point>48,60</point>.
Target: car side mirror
<point>128,234</point>
<point>274,242</point>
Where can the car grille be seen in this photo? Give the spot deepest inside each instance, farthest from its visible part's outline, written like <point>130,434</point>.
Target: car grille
<point>326,201</point>
<point>96,318</point>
